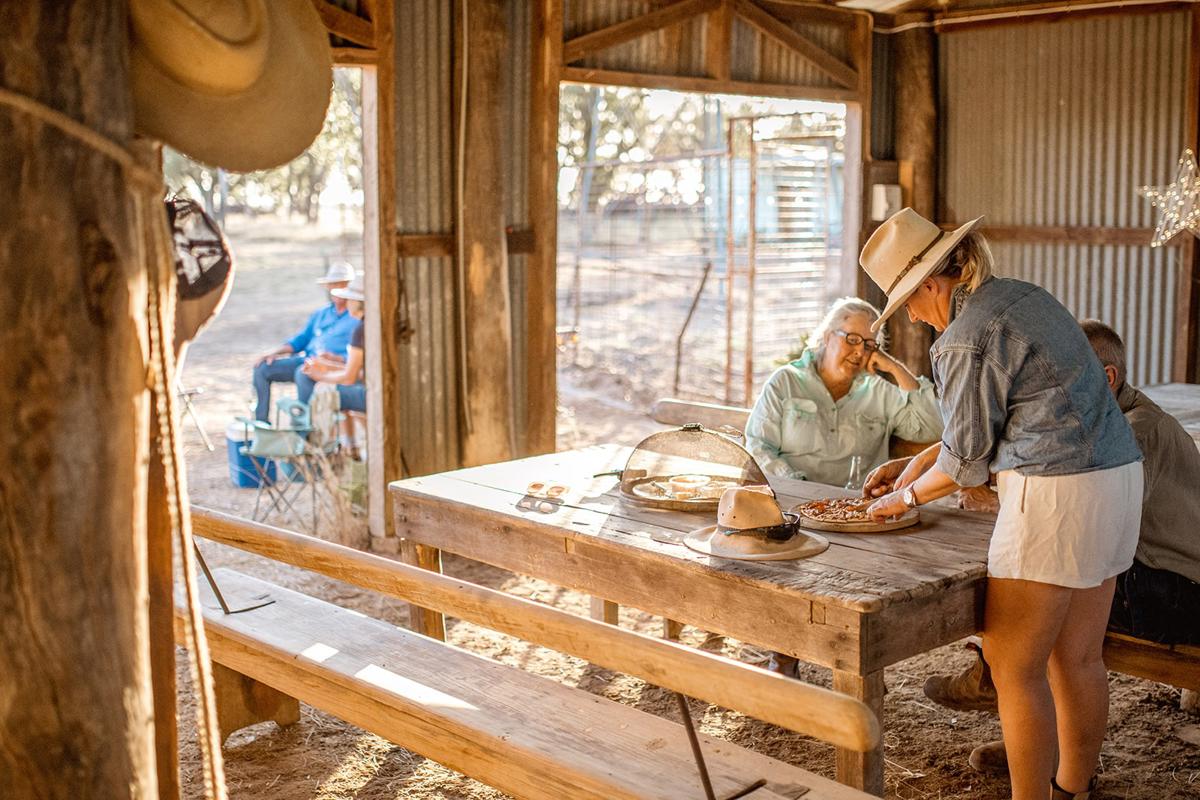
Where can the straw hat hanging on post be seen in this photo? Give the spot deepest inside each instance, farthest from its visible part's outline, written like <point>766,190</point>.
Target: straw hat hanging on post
<point>239,84</point>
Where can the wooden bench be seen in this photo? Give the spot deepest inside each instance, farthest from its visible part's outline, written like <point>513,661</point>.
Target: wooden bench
<point>525,734</point>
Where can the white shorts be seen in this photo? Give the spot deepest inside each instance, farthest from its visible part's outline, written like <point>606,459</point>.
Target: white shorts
<point>1067,530</point>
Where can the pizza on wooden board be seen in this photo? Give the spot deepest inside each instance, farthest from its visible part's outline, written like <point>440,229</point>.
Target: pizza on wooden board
<point>838,509</point>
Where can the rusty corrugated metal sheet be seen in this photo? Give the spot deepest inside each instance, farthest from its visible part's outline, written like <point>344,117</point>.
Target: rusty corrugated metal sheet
<point>425,196</point>
<point>1059,124</point>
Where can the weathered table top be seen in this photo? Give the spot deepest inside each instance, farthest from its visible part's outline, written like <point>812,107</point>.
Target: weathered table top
<point>598,543</point>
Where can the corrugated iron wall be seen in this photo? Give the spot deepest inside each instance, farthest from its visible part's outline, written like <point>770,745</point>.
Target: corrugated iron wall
<point>1059,124</point>
<point>425,204</point>
<point>426,120</point>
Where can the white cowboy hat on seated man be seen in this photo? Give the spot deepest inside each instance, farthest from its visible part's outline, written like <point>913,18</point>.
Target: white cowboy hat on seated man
<point>337,272</point>
<point>905,250</point>
<point>239,84</point>
<point>752,527</point>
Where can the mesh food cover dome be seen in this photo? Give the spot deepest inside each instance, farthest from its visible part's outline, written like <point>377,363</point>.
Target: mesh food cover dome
<point>687,469</point>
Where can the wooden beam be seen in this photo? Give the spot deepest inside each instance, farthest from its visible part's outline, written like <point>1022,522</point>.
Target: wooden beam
<point>77,708</point>
<point>440,245</point>
<point>1041,13</point>
<point>685,83</point>
<point>488,425</point>
<point>1068,234</point>
<point>355,56</point>
<point>915,75</point>
<point>792,704</point>
<point>630,29</point>
<point>344,25</point>
<point>541,377</point>
<point>772,26</point>
<point>1187,295</point>
<point>718,42</point>
<point>385,390</point>
<point>812,12</point>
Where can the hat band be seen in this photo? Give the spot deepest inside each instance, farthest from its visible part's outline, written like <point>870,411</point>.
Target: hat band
<point>778,533</point>
<point>912,262</point>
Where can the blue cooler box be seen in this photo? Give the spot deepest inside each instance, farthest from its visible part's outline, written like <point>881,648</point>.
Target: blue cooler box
<point>242,472</point>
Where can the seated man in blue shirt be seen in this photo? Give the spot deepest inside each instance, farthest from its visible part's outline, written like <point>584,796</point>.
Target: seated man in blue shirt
<point>326,335</point>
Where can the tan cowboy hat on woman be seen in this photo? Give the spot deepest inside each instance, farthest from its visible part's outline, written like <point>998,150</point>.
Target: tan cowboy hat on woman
<point>905,250</point>
<point>239,84</point>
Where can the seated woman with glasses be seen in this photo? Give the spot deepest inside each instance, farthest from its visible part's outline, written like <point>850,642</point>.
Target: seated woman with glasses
<point>820,411</point>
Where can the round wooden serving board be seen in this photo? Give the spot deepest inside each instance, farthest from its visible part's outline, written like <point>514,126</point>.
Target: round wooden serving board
<point>906,520</point>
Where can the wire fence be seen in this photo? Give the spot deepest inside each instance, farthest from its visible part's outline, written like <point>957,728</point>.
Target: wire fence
<point>664,283</point>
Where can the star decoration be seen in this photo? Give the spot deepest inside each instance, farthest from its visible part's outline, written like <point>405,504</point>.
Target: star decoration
<point>1178,203</point>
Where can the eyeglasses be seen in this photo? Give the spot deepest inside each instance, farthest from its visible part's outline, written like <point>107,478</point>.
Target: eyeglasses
<point>854,340</point>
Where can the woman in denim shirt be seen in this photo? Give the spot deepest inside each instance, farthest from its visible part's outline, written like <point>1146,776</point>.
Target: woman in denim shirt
<point>1023,396</point>
<point>831,404</point>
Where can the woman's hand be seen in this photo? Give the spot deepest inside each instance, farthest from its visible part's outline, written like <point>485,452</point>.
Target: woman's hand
<point>882,362</point>
<point>890,505</point>
<point>979,498</point>
<point>882,479</point>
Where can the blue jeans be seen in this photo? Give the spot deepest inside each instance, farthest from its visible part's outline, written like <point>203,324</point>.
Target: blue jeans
<point>281,370</point>
<point>353,397</point>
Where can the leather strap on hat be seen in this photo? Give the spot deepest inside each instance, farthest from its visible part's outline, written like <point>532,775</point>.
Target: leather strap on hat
<point>912,262</point>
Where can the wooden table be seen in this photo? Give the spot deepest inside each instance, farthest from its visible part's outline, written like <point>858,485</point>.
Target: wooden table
<point>867,602</point>
<point>1180,400</point>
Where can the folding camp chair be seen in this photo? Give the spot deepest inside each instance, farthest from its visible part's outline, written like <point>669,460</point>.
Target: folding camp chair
<point>289,450</point>
<point>185,400</point>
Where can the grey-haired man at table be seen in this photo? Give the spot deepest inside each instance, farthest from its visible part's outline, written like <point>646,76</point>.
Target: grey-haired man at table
<point>1158,598</point>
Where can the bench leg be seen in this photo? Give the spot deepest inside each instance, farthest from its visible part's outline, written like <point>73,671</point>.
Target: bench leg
<point>243,701</point>
<point>421,620</point>
<point>672,629</point>
<point>604,610</point>
<point>1189,700</point>
<point>862,770</point>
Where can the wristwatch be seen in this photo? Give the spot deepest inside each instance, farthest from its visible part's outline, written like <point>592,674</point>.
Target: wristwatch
<point>909,497</point>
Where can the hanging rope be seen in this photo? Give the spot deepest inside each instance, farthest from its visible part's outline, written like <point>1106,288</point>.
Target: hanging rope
<point>152,249</point>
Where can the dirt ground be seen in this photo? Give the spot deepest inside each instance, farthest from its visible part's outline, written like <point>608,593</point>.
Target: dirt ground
<point>1152,750</point>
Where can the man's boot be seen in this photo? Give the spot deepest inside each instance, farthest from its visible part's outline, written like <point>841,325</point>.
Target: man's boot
<point>990,758</point>
<point>970,690</point>
<point>1059,793</point>
<point>784,665</point>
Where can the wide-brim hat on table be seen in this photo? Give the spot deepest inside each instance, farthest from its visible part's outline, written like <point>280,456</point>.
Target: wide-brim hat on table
<point>752,527</point>
<point>905,250</point>
<point>338,272</point>
<point>355,291</point>
<point>239,84</point>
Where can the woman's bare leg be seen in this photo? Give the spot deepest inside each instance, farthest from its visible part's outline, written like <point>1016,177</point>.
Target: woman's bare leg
<point>1079,682</point>
<point>1022,623</point>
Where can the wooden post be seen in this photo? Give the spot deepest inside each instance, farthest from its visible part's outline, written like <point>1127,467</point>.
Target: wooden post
<point>75,700</point>
<point>384,390</point>
<point>1187,302</point>
<point>916,150</point>
<point>541,388</point>
<point>487,435</point>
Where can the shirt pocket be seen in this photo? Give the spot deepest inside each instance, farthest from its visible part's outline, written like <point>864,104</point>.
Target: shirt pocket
<point>870,431</point>
<point>801,428</point>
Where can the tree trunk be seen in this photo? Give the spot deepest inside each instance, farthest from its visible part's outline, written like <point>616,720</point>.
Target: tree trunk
<point>916,150</point>
<point>75,698</point>
<point>487,308</point>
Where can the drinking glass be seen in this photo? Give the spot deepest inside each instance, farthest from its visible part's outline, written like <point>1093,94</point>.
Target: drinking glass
<point>855,481</point>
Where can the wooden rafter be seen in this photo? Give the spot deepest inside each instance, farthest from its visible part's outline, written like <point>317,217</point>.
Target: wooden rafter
<point>355,56</point>
<point>343,24</point>
<point>770,25</point>
<point>688,83</point>
<point>627,30</point>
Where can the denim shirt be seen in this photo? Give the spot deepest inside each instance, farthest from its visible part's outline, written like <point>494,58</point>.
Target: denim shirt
<point>797,430</point>
<point>1021,389</point>
<point>327,331</point>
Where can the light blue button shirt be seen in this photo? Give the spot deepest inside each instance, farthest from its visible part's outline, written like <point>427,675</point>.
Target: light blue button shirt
<point>797,430</point>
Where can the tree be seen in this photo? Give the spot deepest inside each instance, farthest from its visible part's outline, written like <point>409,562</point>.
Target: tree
<point>296,186</point>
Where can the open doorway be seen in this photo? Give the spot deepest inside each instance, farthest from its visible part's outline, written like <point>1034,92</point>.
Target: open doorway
<point>700,237</point>
<point>287,228</point>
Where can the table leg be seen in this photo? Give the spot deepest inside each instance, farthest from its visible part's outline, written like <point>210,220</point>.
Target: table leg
<point>421,620</point>
<point>862,770</point>
<point>672,629</point>
<point>604,610</point>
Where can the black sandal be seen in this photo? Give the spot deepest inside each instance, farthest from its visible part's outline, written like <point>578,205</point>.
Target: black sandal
<point>1059,793</point>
